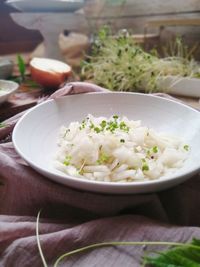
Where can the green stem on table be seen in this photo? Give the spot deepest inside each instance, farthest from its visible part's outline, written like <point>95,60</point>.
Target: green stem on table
<point>106,244</point>
<point>38,241</point>
<point>122,243</point>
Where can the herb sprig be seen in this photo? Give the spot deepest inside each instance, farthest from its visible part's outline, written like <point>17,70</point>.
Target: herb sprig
<point>177,255</point>
<point>21,66</point>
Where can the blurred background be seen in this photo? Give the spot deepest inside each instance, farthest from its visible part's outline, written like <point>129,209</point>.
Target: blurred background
<point>67,30</point>
<point>26,24</point>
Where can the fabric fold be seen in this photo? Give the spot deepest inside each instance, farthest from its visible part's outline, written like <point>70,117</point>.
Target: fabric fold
<point>72,218</point>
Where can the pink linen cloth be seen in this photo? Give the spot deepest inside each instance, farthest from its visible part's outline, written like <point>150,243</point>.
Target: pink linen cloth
<point>71,218</point>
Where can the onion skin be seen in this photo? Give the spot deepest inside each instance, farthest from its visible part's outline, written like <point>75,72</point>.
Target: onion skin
<point>49,80</point>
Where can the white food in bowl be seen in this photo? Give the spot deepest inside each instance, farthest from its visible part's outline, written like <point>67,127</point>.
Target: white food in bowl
<point>117,150</point>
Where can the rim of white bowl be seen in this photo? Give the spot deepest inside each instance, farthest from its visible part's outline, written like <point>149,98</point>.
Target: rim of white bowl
<point>10,90</point>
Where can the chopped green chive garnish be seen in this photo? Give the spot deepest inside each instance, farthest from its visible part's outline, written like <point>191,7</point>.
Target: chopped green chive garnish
<point>122,140</point>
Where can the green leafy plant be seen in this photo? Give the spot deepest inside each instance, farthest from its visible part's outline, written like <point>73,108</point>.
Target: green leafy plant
<point>21,66</point>
<point>117,63</point>
<point>187,255</point>
<point>177,255</point>
<point>23,78</point>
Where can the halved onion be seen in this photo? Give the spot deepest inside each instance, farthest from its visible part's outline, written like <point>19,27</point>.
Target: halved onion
<point>49,73</point>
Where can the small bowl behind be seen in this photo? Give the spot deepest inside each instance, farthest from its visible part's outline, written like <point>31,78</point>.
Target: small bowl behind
<point>184,86</point>
<point>6,89</point>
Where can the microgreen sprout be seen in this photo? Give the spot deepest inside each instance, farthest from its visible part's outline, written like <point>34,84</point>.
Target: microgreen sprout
<point>103,124</point>
<point>110,125</point>
<point>119,64</point>
<point>186,147</point>
<point>123,126</point>
<point>97,129</point>
<point>115,117</point>
<point>67,160</point>
<point>67,131</point>
<point>83,124</point>
<point>155,149</point>
<point>145,167</point>
<point>103,158</point>
<point>91,125</point>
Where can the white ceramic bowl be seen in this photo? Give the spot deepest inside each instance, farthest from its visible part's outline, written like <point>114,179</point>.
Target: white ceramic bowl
<point>46,5</point>
<point>184,86</point>
<point>35,135</point>
<point>6,89</point>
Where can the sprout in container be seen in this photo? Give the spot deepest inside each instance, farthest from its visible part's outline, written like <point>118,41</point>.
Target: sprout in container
<point>49,73</point>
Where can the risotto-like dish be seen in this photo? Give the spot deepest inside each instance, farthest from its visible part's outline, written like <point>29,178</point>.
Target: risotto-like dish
<point>117,150</point>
